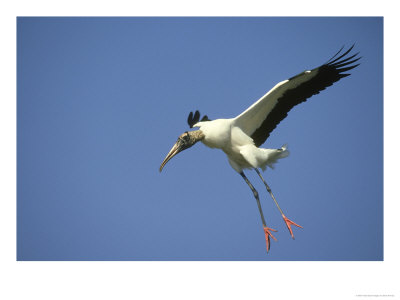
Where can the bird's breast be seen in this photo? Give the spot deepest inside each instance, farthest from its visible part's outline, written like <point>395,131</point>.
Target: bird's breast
<point>217,133</point>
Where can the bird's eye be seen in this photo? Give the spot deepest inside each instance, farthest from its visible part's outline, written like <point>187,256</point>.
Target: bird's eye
<point>184,137</point>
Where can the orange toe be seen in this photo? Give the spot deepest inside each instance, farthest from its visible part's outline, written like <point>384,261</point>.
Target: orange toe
<point>268,234</point>
<point>289,223</point>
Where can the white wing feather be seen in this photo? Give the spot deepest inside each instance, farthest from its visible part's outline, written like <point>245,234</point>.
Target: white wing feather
<point>254,116</point>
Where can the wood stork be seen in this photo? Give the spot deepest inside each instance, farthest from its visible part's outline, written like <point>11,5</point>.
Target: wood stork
<point>241,137</point>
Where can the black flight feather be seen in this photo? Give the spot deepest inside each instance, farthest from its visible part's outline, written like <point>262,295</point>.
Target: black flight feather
<point>193,119</point>
<point>328,73</point>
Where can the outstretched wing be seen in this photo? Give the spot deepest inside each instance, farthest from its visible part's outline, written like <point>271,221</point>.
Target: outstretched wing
<point>193,119</point>
<point>260,119</point>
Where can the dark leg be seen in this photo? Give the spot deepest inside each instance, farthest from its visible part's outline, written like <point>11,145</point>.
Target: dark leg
<point>287,221</point>
<point>266,229</point>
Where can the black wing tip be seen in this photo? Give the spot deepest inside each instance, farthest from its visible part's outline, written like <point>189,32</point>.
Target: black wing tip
<point>329,60</point>
<point>335,58</point>
<point>205,118</point>
<point>189,119</point>
<point>343,63</point>
<point>325,76</point>
<point>195,118</point>
<point>345,52</point>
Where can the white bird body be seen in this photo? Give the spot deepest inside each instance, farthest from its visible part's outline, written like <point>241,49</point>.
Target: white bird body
<point>233,136</point>
<point>241,137</point>
<point>242,154</point>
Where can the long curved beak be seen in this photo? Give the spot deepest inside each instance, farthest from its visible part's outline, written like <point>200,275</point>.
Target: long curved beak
<point>174,151</point>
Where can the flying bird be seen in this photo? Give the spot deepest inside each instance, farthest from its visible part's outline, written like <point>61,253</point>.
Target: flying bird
<point>241,137</point>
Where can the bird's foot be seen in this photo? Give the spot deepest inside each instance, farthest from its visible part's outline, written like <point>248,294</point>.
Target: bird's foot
<point>289,223</point>
<point>268,234</point>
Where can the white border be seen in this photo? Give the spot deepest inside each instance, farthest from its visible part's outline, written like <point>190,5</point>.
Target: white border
<point>195,280</point>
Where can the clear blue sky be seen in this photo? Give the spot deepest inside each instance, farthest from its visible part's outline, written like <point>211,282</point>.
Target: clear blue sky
<point>102,100</point>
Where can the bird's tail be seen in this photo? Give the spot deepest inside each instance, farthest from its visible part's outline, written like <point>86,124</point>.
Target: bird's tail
<point>273,155</point>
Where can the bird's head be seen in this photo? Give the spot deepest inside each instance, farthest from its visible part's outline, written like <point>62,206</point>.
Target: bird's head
<point>185,141</point>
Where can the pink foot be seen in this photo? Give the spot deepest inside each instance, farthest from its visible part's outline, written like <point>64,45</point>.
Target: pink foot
<point>267,235</point>
<point>289,223</point>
